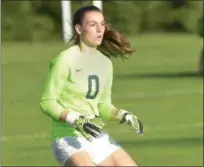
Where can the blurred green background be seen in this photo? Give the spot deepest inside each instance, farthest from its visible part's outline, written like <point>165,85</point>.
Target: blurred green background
<point>161,82</point>
<point>41,20</point>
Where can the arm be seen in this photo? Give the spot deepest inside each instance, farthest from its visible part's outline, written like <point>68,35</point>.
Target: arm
<point>110,112</point>
<point>106,109</point>
<point>56,79</point>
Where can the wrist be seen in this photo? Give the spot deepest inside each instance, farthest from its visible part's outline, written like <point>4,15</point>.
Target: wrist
<point>121,114</point>
<point>71,117</point>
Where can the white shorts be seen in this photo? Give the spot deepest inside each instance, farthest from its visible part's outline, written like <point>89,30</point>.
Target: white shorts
<point>99,149</point>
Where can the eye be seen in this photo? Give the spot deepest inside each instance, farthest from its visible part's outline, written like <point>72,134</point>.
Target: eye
<point>103,24</point>
<point>92,25</point>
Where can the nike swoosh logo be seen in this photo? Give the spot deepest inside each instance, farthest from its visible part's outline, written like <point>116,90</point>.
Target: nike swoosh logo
<point>79,70</point>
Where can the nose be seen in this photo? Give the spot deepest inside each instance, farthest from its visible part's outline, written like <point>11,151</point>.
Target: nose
<point>99,28</point>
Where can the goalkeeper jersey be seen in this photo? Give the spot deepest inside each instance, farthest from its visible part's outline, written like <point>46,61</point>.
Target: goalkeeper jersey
<point>77,82</point>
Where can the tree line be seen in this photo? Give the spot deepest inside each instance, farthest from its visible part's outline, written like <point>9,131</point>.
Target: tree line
<point>41,20</point>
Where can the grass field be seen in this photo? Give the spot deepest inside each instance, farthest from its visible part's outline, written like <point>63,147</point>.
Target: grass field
<point>158,83</point>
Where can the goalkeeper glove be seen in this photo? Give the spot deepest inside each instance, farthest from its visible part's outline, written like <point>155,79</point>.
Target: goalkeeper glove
<point>127,117</point>
<point>88,127</point>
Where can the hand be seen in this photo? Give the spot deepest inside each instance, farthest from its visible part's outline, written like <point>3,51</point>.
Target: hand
<point>89,127</point>
<point>98,121</point>
<point>127,117</point>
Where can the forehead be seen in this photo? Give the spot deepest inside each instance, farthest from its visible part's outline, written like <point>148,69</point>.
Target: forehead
<point>93,16</point>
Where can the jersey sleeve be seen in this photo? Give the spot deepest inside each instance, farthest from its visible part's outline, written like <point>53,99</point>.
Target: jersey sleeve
<point>105,105</point>
<point>56,79</point>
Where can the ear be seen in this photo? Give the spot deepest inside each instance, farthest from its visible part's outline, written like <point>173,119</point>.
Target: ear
<point>78,29</point>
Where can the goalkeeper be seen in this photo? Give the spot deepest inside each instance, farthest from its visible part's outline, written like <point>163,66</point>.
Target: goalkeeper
<point>77,95</point>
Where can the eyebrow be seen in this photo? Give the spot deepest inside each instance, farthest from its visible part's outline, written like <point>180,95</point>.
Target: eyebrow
<point>96,22</point>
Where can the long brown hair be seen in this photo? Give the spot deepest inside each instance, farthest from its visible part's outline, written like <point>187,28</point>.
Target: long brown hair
<point>114,43</point>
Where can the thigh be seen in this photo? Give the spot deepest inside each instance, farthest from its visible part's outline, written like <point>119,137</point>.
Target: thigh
<point>71,151</point>
<point>79,159</point>
<point>107,162</point>
<point>122,158</point>
<point>102,149</point>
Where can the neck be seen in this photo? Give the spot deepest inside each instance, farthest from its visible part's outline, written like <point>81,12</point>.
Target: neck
<point>86,49</point>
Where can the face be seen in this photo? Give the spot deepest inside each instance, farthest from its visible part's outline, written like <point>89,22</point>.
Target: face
<point>92,29</point>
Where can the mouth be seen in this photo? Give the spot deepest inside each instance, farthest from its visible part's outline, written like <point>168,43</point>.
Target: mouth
<point>99,37</point>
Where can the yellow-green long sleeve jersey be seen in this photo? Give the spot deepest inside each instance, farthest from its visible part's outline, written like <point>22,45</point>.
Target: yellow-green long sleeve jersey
<point>80,83</point>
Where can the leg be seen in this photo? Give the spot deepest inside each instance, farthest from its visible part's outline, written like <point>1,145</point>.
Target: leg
<point>107,162</point>
<point>121,158</point>
<point>118,158</point>
<point>111,153</point>
<point>79,159</point>
<point>71,151</point>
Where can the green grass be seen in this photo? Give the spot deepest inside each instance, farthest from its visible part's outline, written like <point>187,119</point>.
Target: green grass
<point>158,83</point>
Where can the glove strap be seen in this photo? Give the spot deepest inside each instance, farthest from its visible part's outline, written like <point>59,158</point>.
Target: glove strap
<point>121,114</point>
<point>72,117</point>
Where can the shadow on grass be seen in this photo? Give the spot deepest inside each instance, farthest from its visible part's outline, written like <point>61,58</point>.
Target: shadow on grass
<point>161,75</point>
<point>163,142</point>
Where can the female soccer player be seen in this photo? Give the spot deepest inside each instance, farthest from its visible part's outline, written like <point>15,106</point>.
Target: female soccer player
<point>77,95</point>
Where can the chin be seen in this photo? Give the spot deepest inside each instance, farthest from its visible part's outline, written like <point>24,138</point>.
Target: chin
<point>98,43</point>
<point>94,45</point>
